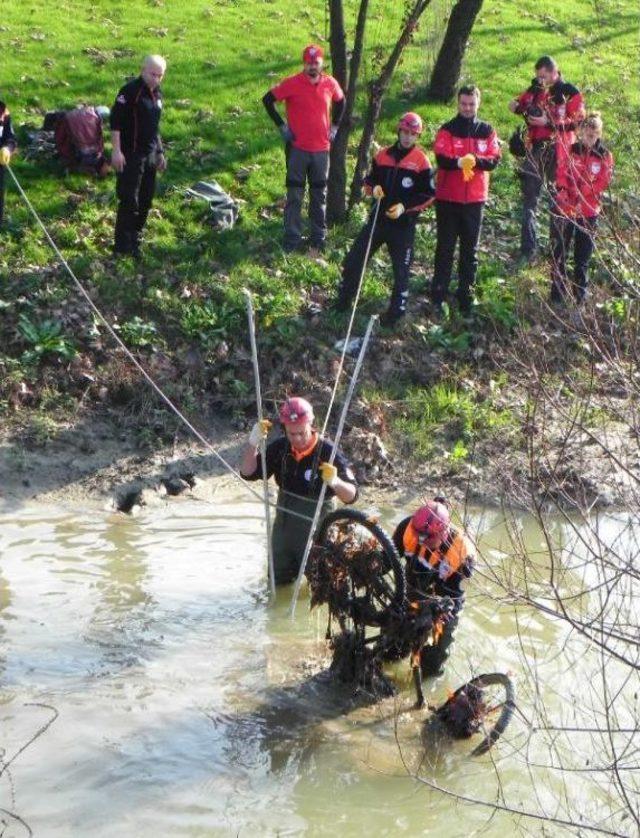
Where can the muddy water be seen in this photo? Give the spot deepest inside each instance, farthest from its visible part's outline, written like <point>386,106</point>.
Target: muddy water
<point>188,707</point>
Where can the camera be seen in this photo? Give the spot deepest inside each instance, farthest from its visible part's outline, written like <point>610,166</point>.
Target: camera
<point>534,110</point>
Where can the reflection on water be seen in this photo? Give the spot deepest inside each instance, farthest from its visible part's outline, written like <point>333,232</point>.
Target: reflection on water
<point>188,706</point>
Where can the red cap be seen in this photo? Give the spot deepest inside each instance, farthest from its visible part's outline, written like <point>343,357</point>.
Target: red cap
<point>410,122</point>
<point>312,53</point>
<point>432,519</point>
<point>296,411</point>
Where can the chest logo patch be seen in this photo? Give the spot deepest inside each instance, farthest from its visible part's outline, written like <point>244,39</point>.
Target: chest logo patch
<point>407,182</point>
<point>595,168</point>
<point>307,475</point>
<point>482,146</point>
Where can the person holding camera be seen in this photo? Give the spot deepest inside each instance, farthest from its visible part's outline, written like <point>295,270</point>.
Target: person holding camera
<point>552,109</point>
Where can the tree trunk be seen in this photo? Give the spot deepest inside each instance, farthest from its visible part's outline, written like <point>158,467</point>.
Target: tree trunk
<point>446,73</point>
<point>337,190</point>
<point>377,90</point>
<point>338,43</point>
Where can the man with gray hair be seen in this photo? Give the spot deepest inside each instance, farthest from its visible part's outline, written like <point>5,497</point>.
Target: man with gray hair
<point>137,152</point>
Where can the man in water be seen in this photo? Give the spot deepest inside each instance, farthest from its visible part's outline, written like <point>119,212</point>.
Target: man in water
<point>298,461</point>
<point>438,560</point>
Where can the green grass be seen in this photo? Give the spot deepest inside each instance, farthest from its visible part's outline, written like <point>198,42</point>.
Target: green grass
<point>222,56</point>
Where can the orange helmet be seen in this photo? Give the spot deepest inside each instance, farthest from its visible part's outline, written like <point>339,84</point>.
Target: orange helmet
<point>410,122</point>
<point>296,411</point>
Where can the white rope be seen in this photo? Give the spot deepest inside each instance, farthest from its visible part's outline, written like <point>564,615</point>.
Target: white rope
<point>263,441</point>
<point>352,318</point>
<point>334,449</point>
<point>132,358</point>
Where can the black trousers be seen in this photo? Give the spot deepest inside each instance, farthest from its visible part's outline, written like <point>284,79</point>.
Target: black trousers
<point>563,231</point>
<point>2,188</point>
<point>456,222</point>
<point>399,238</point>
<point>135,188</point>
<point>432,658</point>
<point>538,171</point>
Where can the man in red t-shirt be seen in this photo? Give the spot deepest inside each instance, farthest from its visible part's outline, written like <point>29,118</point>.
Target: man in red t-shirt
<point>314,104</point>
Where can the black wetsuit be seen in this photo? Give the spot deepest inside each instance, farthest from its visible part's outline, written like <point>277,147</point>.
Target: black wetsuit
<point>299,484</point>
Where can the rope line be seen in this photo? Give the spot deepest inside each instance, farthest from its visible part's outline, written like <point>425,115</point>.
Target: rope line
<point>134,360</point>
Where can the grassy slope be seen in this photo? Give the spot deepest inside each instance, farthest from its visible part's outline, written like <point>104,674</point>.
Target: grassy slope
<point>222,57</point>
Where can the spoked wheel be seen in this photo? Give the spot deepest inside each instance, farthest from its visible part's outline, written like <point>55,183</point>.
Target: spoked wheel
<point>355,569</point>
<point>484,704</point>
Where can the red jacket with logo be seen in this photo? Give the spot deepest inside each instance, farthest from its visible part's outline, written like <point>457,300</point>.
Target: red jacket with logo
<point>454,140</point>
<point>406,177</point>
<point>561,103</point>
<point>581,178</point>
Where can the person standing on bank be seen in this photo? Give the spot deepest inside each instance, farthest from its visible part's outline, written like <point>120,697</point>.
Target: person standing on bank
<point>299,463</point>
<point>582,176</point>
<point>401,178</point>
<point>7,147</point>
<point>552,110</point>
<point>137,152</point>
<point>314,104</point>
<point>466,151</point>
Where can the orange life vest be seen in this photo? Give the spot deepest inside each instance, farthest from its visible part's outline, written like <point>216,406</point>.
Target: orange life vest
<point>446,559</point>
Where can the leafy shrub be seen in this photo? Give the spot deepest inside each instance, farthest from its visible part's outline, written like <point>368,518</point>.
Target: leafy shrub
<point>44,339</point>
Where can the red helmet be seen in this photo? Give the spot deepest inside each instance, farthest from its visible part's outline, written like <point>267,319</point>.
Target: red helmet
<point>296,411</point>
<point>432,519</point>
<point>410,122</point>
<point>312,53</point>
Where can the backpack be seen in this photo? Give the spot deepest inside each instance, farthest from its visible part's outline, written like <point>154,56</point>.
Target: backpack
<point>78,138</point>
<point>222,206</point>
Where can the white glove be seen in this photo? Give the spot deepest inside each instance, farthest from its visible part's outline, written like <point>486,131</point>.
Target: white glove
<point>333,132</point>
<point>259,432</point>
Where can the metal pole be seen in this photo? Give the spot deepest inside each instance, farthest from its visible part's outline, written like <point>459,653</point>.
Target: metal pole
<point>336,442</point>
<point>263,453</point>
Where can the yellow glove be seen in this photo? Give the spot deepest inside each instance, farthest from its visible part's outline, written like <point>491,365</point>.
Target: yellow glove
<point>467,164</point>
<point>395,212</point>
<point>259,432</point>
<point>378,193</point>
<point>329,474</point>
<point>5,156</point>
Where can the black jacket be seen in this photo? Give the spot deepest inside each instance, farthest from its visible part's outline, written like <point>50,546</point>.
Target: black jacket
<point>7,137</point>
<point>136,115</point>
<point>301,477</point>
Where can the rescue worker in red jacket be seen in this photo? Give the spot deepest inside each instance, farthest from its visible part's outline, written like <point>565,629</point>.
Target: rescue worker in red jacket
<point>552,109</point>
<point>7,147</point>
<point>583,175</point>
<point>401,178</point>
<point>314,104</point>
<point>299,463</point>
<point>438,560</point>
<point>466,149</point>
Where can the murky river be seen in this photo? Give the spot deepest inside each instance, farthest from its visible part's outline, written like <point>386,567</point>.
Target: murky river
<point>187,706</point>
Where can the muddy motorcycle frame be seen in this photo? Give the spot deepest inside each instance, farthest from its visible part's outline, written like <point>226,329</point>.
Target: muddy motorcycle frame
<point>354,569</point>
